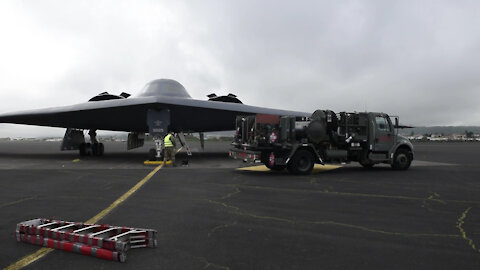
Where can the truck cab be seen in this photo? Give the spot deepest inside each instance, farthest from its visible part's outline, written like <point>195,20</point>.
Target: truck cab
<point>386,145</point>
<point>297,143</point>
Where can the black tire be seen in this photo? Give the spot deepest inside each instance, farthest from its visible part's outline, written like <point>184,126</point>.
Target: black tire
<point>98,149</point>
<point>301,163</point>
<point>275,167</point>
<point>367,164</point>
<point>95,149</point>
<point>82,150</point>
<point>101,149</point>
<point>402,159</point>
<point>88,149</point>
<point>266,161</point>
<point>152,155</point>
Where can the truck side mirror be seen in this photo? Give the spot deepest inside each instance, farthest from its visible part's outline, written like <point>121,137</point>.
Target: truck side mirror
<point>396,122</point>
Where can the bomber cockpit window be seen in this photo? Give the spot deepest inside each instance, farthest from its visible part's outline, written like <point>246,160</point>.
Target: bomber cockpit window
<point>164,87</point>
<point>382,123</point>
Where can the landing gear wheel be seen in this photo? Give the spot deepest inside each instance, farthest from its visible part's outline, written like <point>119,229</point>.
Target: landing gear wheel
<point>101,149</point>
<point>402,160</point>
<point>88,149</point>
<point>98,149</point>
<point>152,154</point>
<point>85,149</point>
<point>82,150</point>
<point>301,163</point>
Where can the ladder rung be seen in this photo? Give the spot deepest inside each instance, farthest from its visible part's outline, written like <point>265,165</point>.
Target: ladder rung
<point>137,241</point>
<point>104,231</point>
<point>138,246</point>
<point>137,237</point>
<point>63,227</point>
<point>46,224</point>
<point>114,238</point>
<point>86,228</point>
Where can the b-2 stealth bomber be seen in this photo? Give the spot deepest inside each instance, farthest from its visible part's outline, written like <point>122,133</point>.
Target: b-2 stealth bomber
<point>162,106</point>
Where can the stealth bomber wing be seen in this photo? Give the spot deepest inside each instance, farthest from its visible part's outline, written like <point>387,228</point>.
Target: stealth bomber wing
<point>161,106</point>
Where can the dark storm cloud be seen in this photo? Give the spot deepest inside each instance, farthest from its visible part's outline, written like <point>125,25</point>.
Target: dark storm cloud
<point>416,59</point>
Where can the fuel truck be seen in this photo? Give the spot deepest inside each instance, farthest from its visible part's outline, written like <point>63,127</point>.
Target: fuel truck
<point>297,143</point>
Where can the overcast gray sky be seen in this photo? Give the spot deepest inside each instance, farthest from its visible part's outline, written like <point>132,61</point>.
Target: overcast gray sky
<point>416,59</point>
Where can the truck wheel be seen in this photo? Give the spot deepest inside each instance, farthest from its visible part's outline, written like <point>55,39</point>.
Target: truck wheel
<point>367,164</point>
<point>266,159</point>
<point>301,163</point>
<point>275,167</point>
<point>402,159</point>
<point>365,161</point>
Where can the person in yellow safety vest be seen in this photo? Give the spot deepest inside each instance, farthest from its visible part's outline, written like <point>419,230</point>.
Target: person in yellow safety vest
<point>169,143</point>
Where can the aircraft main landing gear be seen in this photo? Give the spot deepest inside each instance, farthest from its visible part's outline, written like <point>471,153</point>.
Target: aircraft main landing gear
<point>88,149</point>
<point>92,149</point>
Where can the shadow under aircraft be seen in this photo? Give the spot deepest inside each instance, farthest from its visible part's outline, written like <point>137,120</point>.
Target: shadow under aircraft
<point>162,106</point>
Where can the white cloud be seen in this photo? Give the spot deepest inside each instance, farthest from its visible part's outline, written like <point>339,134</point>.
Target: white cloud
<point>415,59</point>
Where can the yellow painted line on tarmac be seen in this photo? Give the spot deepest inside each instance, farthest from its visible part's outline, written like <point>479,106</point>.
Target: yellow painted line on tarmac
<point>27,260</point>
<point>317,168</point>
<point>125,196</point>
<point>76,160</point>
<point>18,201</point>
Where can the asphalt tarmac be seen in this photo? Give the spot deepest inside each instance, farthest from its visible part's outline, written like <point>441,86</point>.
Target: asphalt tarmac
<point>211,216</point>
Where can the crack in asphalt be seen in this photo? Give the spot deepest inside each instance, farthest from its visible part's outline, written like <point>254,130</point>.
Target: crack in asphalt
<point>460,222</point>
<point>237,190</point>
<point>209,264</point>
<point>353,194</point>
<point>238,211</point>
<point>212,231</point>
<point>433,198</point>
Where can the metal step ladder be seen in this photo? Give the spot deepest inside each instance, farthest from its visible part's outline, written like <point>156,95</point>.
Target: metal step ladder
<point>183,142</point>
<point>101,241</point>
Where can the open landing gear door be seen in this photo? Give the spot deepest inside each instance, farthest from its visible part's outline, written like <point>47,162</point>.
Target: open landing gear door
<point>72,139</point>
<point>135,140</point>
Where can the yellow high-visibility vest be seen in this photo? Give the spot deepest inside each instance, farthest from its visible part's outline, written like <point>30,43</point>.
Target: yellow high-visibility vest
<point>167,141</point>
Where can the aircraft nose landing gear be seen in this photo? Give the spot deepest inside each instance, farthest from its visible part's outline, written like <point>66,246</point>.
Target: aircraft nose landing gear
<point>156,153</point>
